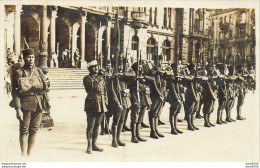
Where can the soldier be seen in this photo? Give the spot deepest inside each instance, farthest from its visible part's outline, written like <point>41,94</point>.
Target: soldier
<point>175,101</point>
<point>95,104</point>
<point>242,90</point>
<point>191,99</point>
<point>231,92</point>
<point>28,100</point>
<point>222,99</point>
<point>208,101</point>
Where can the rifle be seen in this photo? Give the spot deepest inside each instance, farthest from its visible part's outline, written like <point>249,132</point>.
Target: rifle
<point>124,68</point>
<point>27,45</point>
<point>137,76</point>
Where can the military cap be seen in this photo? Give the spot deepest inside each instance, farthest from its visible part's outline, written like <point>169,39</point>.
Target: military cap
<point>29,51</point>
<point>92,63</point>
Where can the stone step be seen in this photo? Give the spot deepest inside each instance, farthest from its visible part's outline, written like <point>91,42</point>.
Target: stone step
<point>66,78</point>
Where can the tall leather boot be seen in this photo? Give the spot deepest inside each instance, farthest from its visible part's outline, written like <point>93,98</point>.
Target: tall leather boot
<point>133,131</point>
<point>23,144</point>
<point>31,142</point>
<point>173,130</point>
<point>114,136</point>
<point>102,127</point>
<point>192,122</point>
<point>218,117</point>
<point>228,116</point>
<point>190,127</point>
<point>239,117</point>
<point>107,130</point>
<point>89,139</point>
<point>152,133</point>
<point>119,130</point>
<point>138,126</point>
<point>156,127</point>
<point>175,124</point>
<point>125,127</point>
<point>222,121</point>
<point>209,121</point>
<point>94,141</point>
<point>206,122</point>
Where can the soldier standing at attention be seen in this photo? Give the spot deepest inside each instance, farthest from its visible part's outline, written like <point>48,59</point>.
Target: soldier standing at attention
<point>28,100</point>
<point>95,104</point>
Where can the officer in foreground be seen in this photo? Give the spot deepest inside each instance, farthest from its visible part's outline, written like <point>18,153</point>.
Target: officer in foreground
<point>95,104</point>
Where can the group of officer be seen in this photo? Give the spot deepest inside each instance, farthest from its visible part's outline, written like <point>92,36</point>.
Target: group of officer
<point>115,91</point>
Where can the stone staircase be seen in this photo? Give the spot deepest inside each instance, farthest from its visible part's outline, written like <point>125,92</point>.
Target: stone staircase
<point>66,78</point>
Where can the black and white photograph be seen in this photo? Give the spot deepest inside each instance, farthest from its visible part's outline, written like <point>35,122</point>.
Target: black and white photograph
<point>129,81</point>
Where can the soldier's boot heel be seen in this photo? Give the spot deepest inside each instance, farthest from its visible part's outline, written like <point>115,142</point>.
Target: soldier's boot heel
<point>144,125</point>
<point>156,128</point>
<point>138,126</point>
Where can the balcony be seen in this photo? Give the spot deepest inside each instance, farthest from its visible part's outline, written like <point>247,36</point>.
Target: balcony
<point>224,26</point>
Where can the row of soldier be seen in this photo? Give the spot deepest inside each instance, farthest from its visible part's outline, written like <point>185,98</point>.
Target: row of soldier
<point>147,86</point>
<point>116,91</point>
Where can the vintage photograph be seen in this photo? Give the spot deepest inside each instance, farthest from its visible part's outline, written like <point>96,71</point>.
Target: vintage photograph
<point>134,82</point>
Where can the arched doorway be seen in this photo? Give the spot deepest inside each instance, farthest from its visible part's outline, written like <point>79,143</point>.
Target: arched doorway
<point>30,31</point>
<point>90,49</point>
<point>63,40</point>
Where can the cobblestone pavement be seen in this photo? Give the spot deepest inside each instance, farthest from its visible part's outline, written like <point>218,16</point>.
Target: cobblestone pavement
<point>66,141</point>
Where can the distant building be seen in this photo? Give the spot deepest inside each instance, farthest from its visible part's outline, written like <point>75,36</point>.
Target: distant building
<point>233,36</point>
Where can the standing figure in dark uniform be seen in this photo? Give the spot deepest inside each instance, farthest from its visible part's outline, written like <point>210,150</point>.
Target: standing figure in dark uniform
<point>175,101</point>
<point>222,99</point>
<point>231,92</point>
<point>208,101</point>
<point>28,100</point>
<point>242,90</point>
<point>95,104</point>
<point>191,104</point>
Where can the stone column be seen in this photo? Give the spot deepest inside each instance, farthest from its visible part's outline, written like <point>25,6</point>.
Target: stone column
<point>83,63</point>
<point>53,31</point>
<point>47,120</point>
<point>17,30</point>
<point>43,55</point>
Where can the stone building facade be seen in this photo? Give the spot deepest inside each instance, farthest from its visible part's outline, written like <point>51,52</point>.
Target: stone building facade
<point>150,30</point>
<point>233,36</point>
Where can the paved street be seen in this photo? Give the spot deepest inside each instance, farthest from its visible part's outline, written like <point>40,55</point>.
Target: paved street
<point>66,141</point>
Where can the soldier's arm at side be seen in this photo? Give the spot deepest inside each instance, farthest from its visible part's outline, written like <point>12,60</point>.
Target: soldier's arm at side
<point>16,95</point>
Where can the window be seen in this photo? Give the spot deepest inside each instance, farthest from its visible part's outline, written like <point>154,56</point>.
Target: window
<point>243,15</point>
<point>220,35</point>
<point>151,48</point>
<point>226,19</point>
<point>169,16</point>
<point>135,42</point>
<point>230,34</point>
<point>231,19</point>
<point>221,20</point>
<point>242,33</point>
<point>155,16</point>
<point>166,50</point>
<point>165,17</point>
<point>151,15</point>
